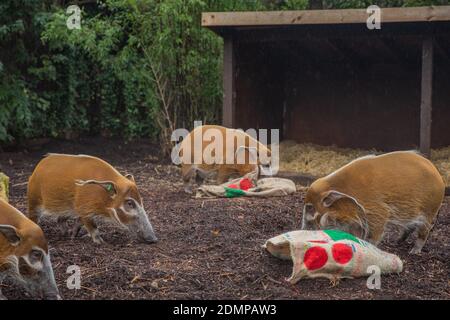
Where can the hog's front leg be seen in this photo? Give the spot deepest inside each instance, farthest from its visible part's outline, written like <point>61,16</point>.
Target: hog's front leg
<point>92,229</point>
<point>76,228</point>
<point>62,223</point>
<point>189,173</point>
<point>2,297</point>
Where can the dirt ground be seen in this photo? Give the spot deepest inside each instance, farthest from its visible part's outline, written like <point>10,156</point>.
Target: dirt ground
<point>208,249</point>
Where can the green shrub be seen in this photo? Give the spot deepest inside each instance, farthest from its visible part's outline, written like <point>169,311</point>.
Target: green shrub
<point>136,68</point>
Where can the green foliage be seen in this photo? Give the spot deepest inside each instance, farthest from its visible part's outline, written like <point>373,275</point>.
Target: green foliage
<point>38,87</point>
<point>136,68</point>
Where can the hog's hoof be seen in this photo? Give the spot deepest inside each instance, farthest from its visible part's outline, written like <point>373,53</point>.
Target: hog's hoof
<point>82,233</point>
<point>188,190</point>
<point>98,239</point>
<point>418,245</point>
<point>415,251</point>
<point>75,230</point>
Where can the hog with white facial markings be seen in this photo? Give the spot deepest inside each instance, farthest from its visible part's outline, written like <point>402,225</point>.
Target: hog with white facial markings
<point>87,187</point>
<point>24,254</point>
<point>401,188</point>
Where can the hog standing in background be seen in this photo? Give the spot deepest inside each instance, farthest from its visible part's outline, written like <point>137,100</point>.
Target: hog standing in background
<point>242,145</point>
<point>402,188</point>
<point>24,254</point>
<point>84,187</point>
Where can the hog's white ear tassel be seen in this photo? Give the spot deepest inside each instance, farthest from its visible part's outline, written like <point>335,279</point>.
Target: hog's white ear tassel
<point>107,185</point>
<point>312,217</point>
<point>324,220</point>
<point>253,154</point>
<point>80,183</point>
<point>266,170</point>
<point>116,217</point>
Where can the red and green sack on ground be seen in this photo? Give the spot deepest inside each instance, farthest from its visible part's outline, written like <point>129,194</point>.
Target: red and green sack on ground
<point>331,254</point>
<point>248,186</point>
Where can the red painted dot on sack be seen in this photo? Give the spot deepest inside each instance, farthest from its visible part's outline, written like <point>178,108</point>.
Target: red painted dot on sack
<point>342,253</point>
<point>315,258</point>
<point>245,184</point>
<point>233,186</point>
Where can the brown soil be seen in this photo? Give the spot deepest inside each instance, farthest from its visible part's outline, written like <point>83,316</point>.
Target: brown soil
<point>208,249</point>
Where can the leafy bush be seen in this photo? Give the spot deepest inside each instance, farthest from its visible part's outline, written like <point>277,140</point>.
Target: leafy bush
<point>136,68</point>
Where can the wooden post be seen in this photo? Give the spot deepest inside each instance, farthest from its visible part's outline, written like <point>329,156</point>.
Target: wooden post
<point>228,114</point>
<point>426,96</point>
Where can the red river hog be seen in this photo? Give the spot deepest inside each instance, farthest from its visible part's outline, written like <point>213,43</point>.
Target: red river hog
<point>401,188</point>
<point>215,151</point>
<point>24,254</point>
<point>87,187</point>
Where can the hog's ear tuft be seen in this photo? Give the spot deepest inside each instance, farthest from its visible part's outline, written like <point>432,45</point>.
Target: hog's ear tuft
<point>11,234</point>
<point>331,197</point>
<point>252,153</point>
<point>109,186</point>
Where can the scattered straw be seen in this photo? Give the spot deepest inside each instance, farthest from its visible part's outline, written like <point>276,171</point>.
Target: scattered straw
<point>319,160</point>
<point>441,158</point>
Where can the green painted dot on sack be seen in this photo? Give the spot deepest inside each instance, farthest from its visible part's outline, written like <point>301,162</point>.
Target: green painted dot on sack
<point>337,235</point>
<point>233,193</point>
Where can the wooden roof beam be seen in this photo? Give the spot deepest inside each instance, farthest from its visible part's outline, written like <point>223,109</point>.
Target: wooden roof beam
<point>308,17</point>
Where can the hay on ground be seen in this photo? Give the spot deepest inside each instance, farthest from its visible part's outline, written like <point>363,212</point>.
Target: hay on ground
<point>320,161</point>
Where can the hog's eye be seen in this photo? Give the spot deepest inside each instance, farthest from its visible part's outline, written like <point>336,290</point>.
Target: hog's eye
<point>36,256</point>
<point>309,208</point>
<point>131,204</point>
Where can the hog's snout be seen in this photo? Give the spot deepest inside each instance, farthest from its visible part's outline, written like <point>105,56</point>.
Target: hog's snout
<point>142,228</point>
<point>151,239</point>
<point>52,296</point>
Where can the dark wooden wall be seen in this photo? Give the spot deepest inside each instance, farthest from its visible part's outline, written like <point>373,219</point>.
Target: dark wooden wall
<point>440,129</point>
<point>260,82</point>
<point>366,106</point>
<point>342,92</point>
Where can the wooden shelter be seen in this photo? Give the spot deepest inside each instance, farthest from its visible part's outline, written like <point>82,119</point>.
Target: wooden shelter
<point>323,76</point>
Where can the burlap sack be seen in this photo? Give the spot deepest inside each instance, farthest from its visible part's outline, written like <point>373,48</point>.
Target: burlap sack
<point>330,254</point>
<point>4,186</point>
<point>266,187</point>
